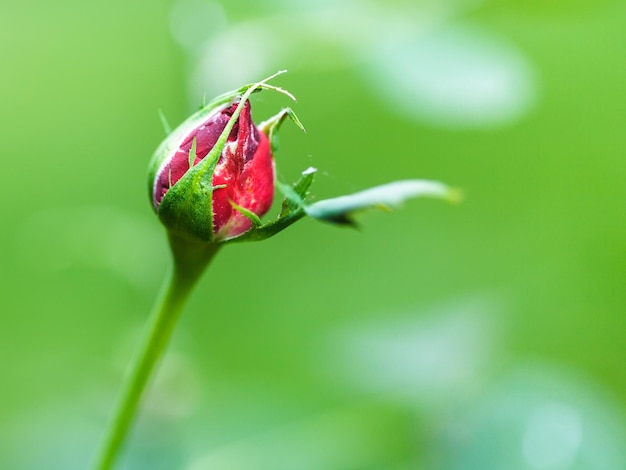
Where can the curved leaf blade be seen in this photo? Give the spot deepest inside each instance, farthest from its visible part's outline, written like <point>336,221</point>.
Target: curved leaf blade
<point>387,196</point>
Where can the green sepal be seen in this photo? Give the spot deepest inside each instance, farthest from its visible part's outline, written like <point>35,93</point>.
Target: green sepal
<point>255,219</point>
<point>296,194</point>
<point>271,126</point>
<point>186,209</point>
<point>192,153</point>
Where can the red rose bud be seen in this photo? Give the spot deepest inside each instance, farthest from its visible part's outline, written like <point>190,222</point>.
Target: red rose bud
<point>207,198</point>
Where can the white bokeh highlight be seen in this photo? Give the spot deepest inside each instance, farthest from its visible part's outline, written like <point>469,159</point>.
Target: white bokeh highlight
<point>418,59</point>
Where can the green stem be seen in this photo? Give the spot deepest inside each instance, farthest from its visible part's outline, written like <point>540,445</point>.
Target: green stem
<point>190,260</point>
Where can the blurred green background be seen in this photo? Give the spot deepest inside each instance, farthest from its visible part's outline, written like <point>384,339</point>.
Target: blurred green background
<point>488,335</point>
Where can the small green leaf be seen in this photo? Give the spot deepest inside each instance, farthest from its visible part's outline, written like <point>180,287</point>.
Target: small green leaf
<point>296,194</point>
<point>256,221</point>
<point>291,195</point>
<point>304,183</point>
<point>388,196</point>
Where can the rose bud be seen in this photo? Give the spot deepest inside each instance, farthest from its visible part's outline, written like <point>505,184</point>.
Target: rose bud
<point>213,174</point>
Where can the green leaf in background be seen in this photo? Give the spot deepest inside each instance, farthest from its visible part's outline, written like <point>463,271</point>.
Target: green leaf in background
<point>387,196</point>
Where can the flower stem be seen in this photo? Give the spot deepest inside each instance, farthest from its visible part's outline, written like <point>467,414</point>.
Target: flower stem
<point>190,260</point>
